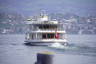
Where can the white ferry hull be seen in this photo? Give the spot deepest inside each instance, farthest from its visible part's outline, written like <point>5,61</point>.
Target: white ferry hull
<point>46,41</point>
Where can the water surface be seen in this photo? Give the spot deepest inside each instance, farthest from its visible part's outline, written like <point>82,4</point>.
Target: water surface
<point>13,50</point>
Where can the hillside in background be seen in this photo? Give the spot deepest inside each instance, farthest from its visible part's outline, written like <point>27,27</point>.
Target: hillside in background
<point>13,22</point>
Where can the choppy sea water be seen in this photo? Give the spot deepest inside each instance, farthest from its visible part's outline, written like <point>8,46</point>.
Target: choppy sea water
<point>82,50</point>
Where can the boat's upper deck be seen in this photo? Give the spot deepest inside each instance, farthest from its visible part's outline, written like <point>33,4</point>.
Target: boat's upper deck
<point>42,22</point>
<point>44,19</point>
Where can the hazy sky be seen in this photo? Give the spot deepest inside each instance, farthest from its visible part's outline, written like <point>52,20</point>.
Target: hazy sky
<point>80,7</point>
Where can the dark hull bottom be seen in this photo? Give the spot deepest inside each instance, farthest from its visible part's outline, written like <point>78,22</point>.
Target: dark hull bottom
<point>41,43</point>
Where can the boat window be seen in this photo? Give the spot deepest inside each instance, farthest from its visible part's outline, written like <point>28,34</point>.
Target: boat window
<point>43,36</point>
<point>47,26</point>
<point>48,36</point>
<point>31,36</point>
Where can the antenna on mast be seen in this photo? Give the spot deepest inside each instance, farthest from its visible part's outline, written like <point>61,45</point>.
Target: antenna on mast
<point>43,13</point>
<point>43,16</point>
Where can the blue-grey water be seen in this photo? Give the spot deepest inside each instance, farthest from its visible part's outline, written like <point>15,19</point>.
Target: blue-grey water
<point>82,50</point>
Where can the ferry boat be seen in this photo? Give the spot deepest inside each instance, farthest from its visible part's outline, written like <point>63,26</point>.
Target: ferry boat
<point>44,31</point>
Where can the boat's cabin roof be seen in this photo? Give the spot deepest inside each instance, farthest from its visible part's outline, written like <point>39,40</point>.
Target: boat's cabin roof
<point>42,20</point>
